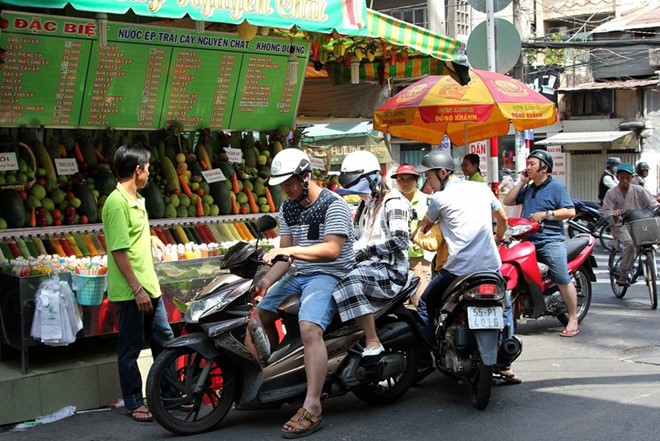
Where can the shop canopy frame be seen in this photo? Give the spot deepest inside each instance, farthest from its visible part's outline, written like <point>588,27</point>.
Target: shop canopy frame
<point>384,47</point>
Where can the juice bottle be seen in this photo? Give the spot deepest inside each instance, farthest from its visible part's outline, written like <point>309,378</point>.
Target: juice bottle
<point>191,231</point>
<point>209,233</point>
<point>161,235</point>
<point>182,234</point>
<point>72,244</point>
<point>23,247</point>
<point>80,243</point>
<point>13,246</point>
<point>41,249</point>
<point>168,235</point>
<point>217,233</point>
<point>47,245</point>
<point>31,247</point>
<point>57,246</point>
<point>199,229</point>
<point>175,234</point>
<point>101,238</point>
<point>90,244</point>
<point>6,252</point>
<point>97,243</point>
<point>66,247</point>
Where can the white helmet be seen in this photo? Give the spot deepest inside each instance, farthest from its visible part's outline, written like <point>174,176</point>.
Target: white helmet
<point>287,163</point>
<point>356,165</point>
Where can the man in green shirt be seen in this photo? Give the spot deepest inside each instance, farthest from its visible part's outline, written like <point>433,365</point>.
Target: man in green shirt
<point>132,282</point>
<point>470,167</point>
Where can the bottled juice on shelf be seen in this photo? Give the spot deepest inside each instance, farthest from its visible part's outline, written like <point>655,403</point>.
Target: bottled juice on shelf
<point>41,249</point>
<point>80,243</point>
<point>66,247</point>
<point>13,246</point>
<point>89,244</point>
<point>97,243</point>
<point>72,244</point>
<point>199,229</point>
<point>31,247</point>
<point>6,252</point>
<point>56,242</point>
<point>161,235</point>
<point>47,245</point>
<point>101,238</point>
<point>182,234</point>
<point>168,235</point>
<point>175,235</point>
<point>209,233</point>
<point>191,231</point>
<point>23,247</point>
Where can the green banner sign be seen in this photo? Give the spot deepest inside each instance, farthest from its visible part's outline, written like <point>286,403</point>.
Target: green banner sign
<point>57,75</point>
<point>346,16</point>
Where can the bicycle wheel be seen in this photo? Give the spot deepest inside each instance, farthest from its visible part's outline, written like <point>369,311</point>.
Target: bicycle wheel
<point>614,266</point>
<point>651,275</point>
<point>606,238</point>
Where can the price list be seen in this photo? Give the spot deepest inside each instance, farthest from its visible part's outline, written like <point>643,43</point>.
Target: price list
<point>26,97</point>
<point>116,69</point>
<point>194,74</point>
<point>264,99</point>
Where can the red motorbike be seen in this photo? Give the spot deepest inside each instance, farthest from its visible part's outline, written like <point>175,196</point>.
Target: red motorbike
<point>532,292</point>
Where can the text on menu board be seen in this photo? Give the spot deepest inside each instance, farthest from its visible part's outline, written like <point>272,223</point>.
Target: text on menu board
<point>57,75</point>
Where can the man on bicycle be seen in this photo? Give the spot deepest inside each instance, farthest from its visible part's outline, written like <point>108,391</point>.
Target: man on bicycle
<point>618,200</point>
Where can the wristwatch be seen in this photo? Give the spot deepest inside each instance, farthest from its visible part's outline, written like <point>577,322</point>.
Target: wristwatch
<point>550,215</point>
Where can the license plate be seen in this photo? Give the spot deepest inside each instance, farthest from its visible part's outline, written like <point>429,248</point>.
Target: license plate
<point>485,317</point>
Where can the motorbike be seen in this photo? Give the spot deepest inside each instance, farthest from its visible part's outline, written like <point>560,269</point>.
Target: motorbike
<point>532,292</point>
<point>471,338</point>
<point>589,220</point>
<point>193,384</point>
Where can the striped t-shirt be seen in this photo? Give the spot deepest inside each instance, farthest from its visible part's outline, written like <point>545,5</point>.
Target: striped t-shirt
<point>329,214</point>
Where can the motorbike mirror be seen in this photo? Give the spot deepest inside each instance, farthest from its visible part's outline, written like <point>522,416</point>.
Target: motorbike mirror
<point>266,222</point>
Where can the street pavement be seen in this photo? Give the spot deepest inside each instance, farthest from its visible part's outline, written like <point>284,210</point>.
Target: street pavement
<point>604,384</point>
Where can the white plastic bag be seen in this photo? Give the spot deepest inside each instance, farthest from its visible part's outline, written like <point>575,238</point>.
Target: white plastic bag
<point>57,316</point>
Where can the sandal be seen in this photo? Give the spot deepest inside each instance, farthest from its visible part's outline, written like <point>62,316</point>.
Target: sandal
<point>141,414</point>
<point>508,378</point>
<point>567,333</point>
<point>302,424</point>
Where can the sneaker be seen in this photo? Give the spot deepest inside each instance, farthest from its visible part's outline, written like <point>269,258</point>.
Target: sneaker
<point>260,340</point>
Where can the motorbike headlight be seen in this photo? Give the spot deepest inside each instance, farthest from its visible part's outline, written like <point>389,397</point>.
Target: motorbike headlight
<point>212,303</point>
<point>517,230</point>
<point>487,291</point>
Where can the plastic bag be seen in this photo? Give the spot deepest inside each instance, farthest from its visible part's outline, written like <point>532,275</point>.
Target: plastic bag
<point>57,316</point>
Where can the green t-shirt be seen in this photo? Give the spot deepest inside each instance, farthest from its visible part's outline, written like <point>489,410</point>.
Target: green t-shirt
<point>126,227</point>
<point>476,177</point>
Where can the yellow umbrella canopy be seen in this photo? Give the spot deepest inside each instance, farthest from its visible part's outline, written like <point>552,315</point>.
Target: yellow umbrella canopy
<point>436,106</point>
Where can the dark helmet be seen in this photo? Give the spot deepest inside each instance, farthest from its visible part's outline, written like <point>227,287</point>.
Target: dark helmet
<point>641,167</point>
<point>613,161</point>
<point>436,160</point>
<point>542,156</point>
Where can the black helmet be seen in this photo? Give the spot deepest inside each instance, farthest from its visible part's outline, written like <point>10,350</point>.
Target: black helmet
<point>613,161</point>
<point>436,160</point>
<point>641,166</point>
<point>543,156</point>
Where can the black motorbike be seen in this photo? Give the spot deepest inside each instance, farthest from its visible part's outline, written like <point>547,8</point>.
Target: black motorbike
<point>471,338</point>
<point>588,219</point>
<point>194,382</point>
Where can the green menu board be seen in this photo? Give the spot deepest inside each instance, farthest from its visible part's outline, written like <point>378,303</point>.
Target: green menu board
<point>264,98</point>
<point>201,87</point>
<point>42,80</point>
<point>125,86</point>
<point>56,74</point>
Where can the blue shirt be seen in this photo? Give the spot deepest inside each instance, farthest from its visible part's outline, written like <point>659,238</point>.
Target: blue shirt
<point>550,195</point>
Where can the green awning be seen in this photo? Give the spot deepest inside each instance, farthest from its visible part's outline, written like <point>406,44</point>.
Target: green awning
<point>345,16</point>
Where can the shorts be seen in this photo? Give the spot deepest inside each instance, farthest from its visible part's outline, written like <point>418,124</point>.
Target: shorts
<point>316,303</point>
<point>553,254</point>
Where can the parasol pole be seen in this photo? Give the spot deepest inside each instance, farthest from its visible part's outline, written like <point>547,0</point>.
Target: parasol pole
<point>492,66</point>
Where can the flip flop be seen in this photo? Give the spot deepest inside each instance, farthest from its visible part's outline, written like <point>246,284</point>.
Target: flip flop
<point>141,414</point>
<point>507,378</point>
<point>303,423</point>
<point>567,333</point>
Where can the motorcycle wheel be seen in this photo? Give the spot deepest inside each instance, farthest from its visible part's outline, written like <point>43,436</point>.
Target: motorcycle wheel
<point>606,238</point>
<point>391,389</point>
<point>171,394</point>
<point>612,264</point>
<point>583,288</point>
<point>482,384</point>
<point>583,219</point>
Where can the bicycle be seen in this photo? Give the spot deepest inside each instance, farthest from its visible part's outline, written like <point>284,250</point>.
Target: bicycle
<point>645,234</point>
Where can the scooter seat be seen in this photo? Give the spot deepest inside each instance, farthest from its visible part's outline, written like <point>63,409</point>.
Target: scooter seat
<point>595,205</point>
<point>574,246</point>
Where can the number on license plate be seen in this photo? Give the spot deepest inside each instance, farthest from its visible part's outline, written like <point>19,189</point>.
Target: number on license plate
<point>485,317</point>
